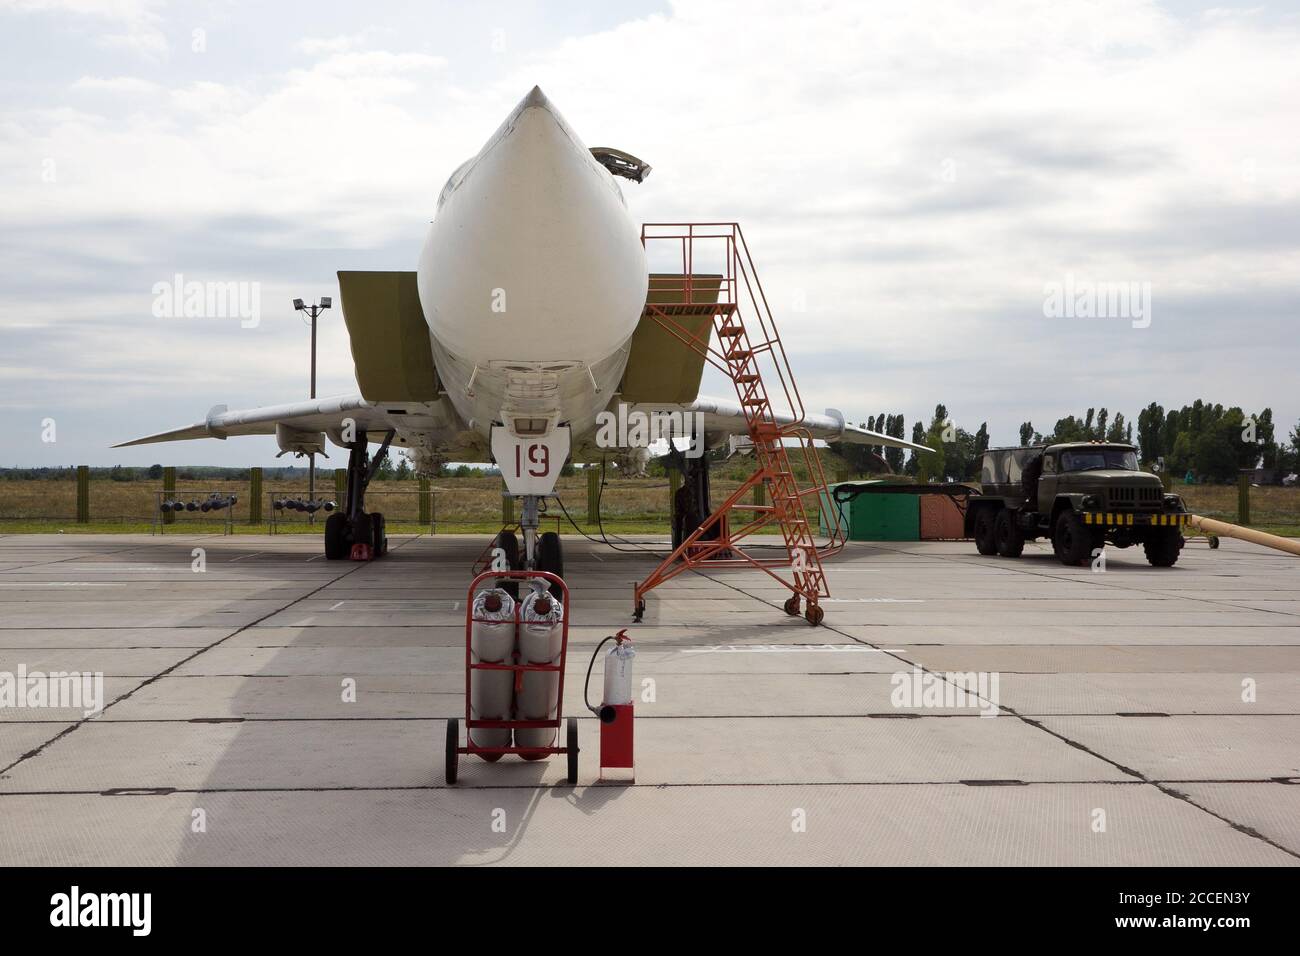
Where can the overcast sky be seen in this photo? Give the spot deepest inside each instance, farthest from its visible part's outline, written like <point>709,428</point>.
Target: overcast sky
<point>914,175</point>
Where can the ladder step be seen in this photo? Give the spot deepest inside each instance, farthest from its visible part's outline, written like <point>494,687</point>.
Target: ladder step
<point>739,354</point>
<point>746,379</point>
<point>730,332</point>
<point>754,401</point>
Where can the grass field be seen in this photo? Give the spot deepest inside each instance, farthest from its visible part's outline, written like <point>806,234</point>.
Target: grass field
<point>460,505</point>
<point>465,505</point>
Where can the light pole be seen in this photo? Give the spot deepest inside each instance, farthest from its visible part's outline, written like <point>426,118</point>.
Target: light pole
<point>313,311</point>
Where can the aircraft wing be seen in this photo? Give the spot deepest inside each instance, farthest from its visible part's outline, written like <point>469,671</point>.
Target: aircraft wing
<point>320,414</point>
<point>723,417</point>
<point>432,425</point>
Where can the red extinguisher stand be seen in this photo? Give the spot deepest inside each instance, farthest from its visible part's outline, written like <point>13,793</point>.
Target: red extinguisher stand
<point>616,710</point>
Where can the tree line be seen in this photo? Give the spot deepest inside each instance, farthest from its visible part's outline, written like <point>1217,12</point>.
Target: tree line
<point>1207,440</point>
<point>957,452</point>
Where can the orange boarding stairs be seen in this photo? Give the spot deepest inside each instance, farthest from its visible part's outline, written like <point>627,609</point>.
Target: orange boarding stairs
<point>747,350</point>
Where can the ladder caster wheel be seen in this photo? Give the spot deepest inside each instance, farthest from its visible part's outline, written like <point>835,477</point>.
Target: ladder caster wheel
<point>638,612</point>
<point>792,605</point>
<point>814,614</point>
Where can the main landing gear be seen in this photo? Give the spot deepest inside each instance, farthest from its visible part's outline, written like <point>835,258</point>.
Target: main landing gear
<point>352,532</point>
<point>691,503</point>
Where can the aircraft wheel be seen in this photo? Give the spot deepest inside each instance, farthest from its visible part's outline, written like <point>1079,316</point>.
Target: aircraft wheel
<point>336,538</point>
<point>362,531</point>
<point>378,533</point>
<point>550,557</point>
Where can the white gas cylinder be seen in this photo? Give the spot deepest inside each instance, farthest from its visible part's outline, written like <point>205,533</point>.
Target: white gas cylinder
<point>492,641</point>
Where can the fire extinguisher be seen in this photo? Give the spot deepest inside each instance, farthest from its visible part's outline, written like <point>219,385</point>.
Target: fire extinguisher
<point>615,711</point>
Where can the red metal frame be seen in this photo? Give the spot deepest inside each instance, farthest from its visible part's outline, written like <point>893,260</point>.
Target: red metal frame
<point>743,353</point>
<point>556,722</point>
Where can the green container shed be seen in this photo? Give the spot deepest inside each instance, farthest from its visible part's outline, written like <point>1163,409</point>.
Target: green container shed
<point>876,516</point>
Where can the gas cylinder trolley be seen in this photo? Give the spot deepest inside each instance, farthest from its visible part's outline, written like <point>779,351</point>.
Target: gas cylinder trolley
<point>502,681</point>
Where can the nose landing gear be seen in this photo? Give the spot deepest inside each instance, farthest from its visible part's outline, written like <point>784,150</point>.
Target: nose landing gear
<point>539,551</point>
<point>542,552</point>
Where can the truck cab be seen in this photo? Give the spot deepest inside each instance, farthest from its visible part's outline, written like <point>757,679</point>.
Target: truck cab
<point>1081,496</point>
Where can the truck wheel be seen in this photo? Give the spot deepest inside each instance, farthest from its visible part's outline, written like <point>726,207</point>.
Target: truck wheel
<point>1162,547</point>
<point>985,542</point>
<point>1071,540</point>
<point>1006,532</point>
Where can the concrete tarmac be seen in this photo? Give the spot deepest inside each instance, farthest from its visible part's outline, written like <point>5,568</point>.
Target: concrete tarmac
<point>1129,717</point>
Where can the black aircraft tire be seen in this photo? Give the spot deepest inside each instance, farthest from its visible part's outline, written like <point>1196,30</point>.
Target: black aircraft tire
<point>336,538</point>
<point>550,557</point>
<point>363,530</point>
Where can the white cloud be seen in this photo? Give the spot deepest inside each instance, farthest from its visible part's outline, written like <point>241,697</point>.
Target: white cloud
<point>115,84</point>
<point>209,98</point>
<point>137,22</point>
<point>315,46</point>
<point>145,42</point>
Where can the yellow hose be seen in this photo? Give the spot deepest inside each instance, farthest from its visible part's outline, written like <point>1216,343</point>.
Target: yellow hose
<point>1225,530</point>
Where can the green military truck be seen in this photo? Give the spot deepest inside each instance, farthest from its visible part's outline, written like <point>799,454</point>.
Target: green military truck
<point>1080,496</point>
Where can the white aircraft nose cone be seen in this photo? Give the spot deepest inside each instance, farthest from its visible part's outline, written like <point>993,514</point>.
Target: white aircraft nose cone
<point>532,254</point>
<point>534,98</point>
